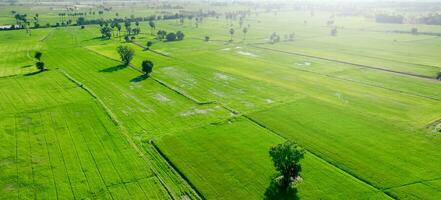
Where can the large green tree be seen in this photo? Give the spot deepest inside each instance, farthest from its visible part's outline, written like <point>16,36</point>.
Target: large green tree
<point>126,53</point>
<point>147,67</point>
<point>286,158</point>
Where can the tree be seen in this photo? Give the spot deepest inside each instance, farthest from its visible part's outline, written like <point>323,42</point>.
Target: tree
<point>152,26</point>
<point>274,38</point>
<point>161,34</point>
<point>179,35</point>
<point>127,25</point>
<point>149,44</point>
<point>147,66</point>
<point>127,38</point>
<point>81,21</point>
<point>334,31</point>
<point>171,37</point>
<point>126,53</point>
<point>38,55</point>
<point>118,27</point>
<point>231,33</point>
<point>438,76</point>
<point>207,38</point>
<point>40,66</point>
<point>286,158</point>
<point>106,32</point>
<point>245,30</point>
<point>414,31</point>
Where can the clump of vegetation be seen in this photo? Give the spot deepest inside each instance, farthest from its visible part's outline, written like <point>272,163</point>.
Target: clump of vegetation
<point>207,38</point>
<point>174,36</point>
<point>38,55</point>
<point>149,44</point>
<point>231,33</point>
<point>161,34</point>
<point>438,76</point>
<point>171,37</point>
<point>39,64</point>
<point>126,54</point>
<point>106,32</point>
<point>274,38</point>
<point>286,158</point>
<point>147,67</point>
<point>334,31</point>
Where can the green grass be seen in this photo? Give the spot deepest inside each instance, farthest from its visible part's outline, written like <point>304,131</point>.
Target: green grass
<point>233,156</point>
<point>364,128</point>
<point>371,149</point>
<point>58,143</point>
<point>18,51</point>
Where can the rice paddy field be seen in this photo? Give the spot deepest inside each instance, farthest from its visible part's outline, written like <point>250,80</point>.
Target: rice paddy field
<point>364,104</point>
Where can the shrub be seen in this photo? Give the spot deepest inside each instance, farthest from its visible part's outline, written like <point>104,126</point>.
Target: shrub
<point>171,37</point>
<point>179,35</point>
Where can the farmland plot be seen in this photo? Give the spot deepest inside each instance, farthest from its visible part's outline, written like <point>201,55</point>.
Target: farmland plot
<point>58,143</point>
<point>18,51</point>
<point>233,157</point>
<point>373,150</point>
<point>143,105</point>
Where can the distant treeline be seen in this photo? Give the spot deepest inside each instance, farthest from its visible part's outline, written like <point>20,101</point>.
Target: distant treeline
<point>431,19</point>
<point>82,20</point>
<point>385,18</point>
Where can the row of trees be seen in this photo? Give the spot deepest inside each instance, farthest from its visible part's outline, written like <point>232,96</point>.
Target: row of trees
<point>126,54</point>
<point>232,31</point>
<point>39,64</point>
<point>161,35</point>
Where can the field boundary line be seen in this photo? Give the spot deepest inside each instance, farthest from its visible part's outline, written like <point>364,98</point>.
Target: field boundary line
<point>415,182</point>
<point>371,85</point>
<point>49,158</point>
<point>64,161</point>
<point>321,158</point>
<point>149,49</point>
<point>344,62</point>
<point>176,169</point>
<point>433,123</point>
<point>123,130</point>
<point>163,83</point>
<point>76,154</point>
<point>89,91</point>
<point>9,76</point>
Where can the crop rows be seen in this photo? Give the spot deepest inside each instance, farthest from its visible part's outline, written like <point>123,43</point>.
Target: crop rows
<point>67,149</point>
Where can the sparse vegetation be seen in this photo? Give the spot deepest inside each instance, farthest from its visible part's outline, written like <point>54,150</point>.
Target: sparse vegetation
<point>119,112</point>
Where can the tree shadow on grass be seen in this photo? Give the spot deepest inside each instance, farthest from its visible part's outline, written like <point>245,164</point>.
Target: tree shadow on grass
<point>139,78</point>
<point>275,192</point>
<point>26,66</point>
<point>114,68</point>
<point>34,73</point>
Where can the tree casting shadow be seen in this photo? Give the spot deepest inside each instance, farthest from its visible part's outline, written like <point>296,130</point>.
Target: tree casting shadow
<point>139,78</point>
<point>114,68</point>
<point>275,192</point>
